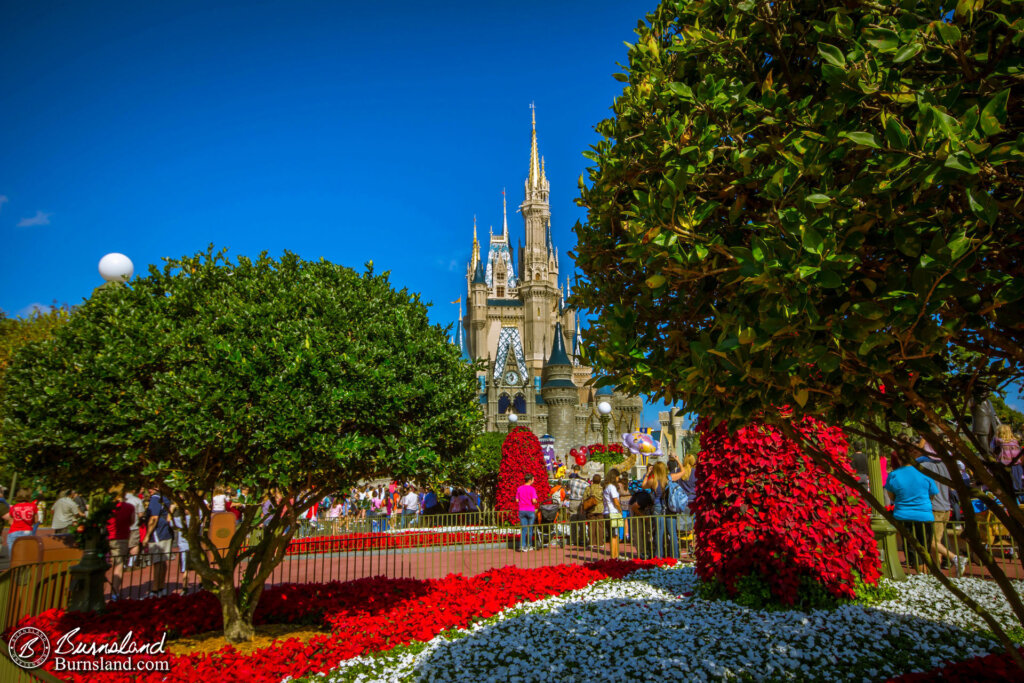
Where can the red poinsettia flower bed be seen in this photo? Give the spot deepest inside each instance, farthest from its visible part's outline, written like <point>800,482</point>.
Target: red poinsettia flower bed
<point>520,454</point>
<point>764,508</point>
<point>371,541</point>
<point>993,668</point>
<point>366,615</point>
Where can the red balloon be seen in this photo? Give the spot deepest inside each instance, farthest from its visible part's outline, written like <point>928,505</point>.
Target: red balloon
<point>581,458</point>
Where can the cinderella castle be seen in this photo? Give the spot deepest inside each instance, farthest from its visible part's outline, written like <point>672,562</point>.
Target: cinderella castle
<point>516,319</point>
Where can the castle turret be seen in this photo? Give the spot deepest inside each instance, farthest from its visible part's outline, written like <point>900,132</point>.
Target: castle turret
<point>477,305</point>
<point>560,394</point>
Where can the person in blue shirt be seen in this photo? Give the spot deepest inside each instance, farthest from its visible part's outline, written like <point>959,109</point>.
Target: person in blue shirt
<point>912,492</point>
<point>159,539</point>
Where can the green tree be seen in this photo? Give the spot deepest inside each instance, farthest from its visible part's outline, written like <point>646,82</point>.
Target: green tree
<point>479,468</point>
<point>1006,413</point>
<point>817,205</point>
<point>280,375</point>
<point>14,334</point>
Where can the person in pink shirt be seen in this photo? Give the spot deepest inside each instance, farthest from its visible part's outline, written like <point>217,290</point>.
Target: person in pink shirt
<point>526,496</point>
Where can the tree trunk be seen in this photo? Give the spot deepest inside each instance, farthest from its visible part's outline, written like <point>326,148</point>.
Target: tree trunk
<point>237,621</point>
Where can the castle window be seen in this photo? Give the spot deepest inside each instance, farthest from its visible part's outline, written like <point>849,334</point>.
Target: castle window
<point>501,292</point>
<point>520,404</point>
<point>504,401</point>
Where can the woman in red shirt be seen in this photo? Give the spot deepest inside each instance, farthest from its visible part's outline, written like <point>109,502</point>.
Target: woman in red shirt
<point>21,517</point>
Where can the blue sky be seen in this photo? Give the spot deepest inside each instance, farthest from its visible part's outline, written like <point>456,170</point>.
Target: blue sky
<point>352,131</point>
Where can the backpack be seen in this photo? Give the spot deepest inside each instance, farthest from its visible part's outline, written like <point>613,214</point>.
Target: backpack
<point>676,499</point>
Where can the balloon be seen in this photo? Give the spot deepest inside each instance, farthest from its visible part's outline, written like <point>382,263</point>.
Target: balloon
<point>641,444</point>
<point>580,458</point>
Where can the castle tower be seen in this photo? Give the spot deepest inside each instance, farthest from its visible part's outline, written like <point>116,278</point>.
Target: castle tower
<point>560,395</point>
<point>539,264</point>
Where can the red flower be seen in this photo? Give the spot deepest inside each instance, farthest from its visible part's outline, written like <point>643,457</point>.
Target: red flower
<point>366,615</point>
<point>520,454</point>
<point>763,507</point>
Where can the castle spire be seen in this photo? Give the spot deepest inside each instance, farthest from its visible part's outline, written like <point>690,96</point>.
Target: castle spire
<point>504,215</point>
<point>476,247</point>
<point>534,165</point>
<point>558,354</point>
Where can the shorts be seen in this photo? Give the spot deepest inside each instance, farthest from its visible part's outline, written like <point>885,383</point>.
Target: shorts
<point>133,539</point>
<point>160,551</point>
<point>119,551</point>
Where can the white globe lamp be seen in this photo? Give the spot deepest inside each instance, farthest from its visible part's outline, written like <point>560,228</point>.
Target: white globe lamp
<point>513,418</point>
<point>116,268</point>
<point>604,407</point>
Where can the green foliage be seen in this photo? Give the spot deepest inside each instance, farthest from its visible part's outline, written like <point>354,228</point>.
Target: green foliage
<point>478,469</point>
<point>262,373</point>
<point>14,334</point>
<point>1007,414</point>
<point>754,592</point>
<point>94,525</point>
<point>287,375</point>
<point>17,332</point>
<point>795,201</point>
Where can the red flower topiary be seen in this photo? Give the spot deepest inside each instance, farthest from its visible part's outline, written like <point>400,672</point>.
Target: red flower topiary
<point>520,454</point>
<point>764,508</point>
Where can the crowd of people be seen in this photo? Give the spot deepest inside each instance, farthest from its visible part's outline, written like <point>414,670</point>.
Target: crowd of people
<point>650,513</point>
<point>925,504</point>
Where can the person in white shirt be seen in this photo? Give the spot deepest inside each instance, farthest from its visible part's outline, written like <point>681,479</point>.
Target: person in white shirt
<point>220,499</point>
<point>134,537</point>
<point>612,503</point>
<point>410,507</point>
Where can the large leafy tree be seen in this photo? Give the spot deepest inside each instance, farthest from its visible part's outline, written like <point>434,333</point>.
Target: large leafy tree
<point>15,333</point>
<point>818,204</point>
<point>280,375</point>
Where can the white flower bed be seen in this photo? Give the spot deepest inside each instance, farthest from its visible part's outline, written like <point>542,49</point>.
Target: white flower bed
<point>646,627</point>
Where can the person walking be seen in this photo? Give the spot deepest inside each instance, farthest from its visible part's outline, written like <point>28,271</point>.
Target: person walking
<point>593,508</point>
<point>119,528</point>
<point>612,502</point>
<point>181,522</point>
<point>574,491</point>
<point>657,483</point>
<point>65,512</point>
<point>526,497</point>
<point>941,510</point>
<point>410,507</point>
<point>911,492</point>
<point>159,534</point>
<point>135,537</point>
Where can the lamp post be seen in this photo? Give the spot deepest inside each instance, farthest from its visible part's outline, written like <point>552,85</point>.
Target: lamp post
<point>512,420</point>
<point>87,577</point>
<point>116,268</point>
<point>604,410</point>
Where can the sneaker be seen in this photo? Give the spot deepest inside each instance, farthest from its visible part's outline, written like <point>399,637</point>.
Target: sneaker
<point>961,564</point>
<point>113,597</point>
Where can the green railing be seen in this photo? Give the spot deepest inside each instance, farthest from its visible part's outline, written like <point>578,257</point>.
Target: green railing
<point>466,544</point>
<point>12,673</point>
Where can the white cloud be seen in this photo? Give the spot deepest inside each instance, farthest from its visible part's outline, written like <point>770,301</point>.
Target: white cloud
<point>40,218</point>
<point>34,308</point>
<point>4,199</point>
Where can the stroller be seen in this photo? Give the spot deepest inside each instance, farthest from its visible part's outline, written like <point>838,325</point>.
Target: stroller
<point>547,532</point>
